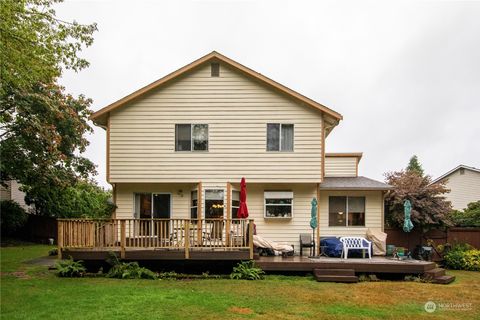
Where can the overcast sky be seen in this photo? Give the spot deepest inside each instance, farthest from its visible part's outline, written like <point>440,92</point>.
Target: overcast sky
<point>405,75</point>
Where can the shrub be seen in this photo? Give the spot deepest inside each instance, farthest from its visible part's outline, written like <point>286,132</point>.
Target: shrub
<point>128,270</point>
<point>53,252</point>
<point>12,218</point>
<point>463,257</point>
<point>470,217</point>
<point>70,268</point>
<point>246,270</point>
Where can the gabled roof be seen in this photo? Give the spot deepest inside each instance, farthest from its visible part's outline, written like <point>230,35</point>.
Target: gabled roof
<point>353,183</point>
<point>100,116</point>
<point>454,170</point>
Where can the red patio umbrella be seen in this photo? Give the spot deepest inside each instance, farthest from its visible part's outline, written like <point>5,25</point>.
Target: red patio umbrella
<point>242,209</point>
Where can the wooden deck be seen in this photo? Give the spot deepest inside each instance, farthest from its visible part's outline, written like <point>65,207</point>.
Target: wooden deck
<point>156,239</point>
<point>374,265</point>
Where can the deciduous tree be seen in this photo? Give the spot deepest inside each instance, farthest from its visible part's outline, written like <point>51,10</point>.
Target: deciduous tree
<point>430,209</point>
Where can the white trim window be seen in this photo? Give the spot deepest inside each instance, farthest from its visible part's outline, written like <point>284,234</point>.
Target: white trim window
<point>278,204</point>
<point>280,137</point>
<point>214,203</point>
<point>193,204</point>
<point>344,211</point>
<point>191,137</point>
<point>235,204</point>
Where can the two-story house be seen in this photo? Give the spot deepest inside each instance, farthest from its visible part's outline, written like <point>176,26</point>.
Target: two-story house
<point>178,148</point>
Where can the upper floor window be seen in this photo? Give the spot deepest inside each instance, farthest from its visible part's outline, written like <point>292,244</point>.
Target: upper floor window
<point>191,137</point>
<point>279,137</point>
<point>346,211</point>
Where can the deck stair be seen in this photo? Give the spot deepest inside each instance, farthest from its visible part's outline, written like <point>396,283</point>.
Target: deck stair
<point>335,275</point>
<point>437,275</point>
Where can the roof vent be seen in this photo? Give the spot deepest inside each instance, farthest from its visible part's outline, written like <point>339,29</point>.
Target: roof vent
<point>215,68</point>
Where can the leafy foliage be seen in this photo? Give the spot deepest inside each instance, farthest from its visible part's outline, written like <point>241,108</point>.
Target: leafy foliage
<point>246,270</point>
<point>53,252</point>
<point>463,257</point>
<point>415,166</point>
<point>42,126</point>
<point>70,268</point>
<point>469,217</point>
<point>430,209</point>
<point>128,270</point>
<point>84,199</point>
<point>36,45</point>
<point>12,217</point>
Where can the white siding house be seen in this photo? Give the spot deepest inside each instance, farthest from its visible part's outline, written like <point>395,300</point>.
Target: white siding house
<point>464,184</point>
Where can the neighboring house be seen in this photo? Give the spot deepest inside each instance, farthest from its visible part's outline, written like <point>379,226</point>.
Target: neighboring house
<point>464,185</point>
<point>12,192</point>
<point>179,147</point>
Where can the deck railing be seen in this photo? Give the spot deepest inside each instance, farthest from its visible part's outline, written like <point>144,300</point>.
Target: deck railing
<point>186,234</point>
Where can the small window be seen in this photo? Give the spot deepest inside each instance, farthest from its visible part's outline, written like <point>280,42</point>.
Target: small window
<point>193,204</point>
<point>346,211</point>
<point>279,137</point>
<point>214,204</point>
<point>191,137</point>
<point>278,204</point>
<point>462,171</point>
<point>235,203</point>
<point>215,69</point>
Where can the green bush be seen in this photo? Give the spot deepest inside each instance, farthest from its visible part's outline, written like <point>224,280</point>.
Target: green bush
<point>463,257</point>
<point>70,268</point>
<point>246,270</point>
<point>470,217</point>
<point>12,217</point>
<point>128,270</point>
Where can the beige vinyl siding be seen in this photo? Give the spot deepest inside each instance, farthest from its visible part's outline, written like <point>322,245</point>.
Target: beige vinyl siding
<point>13,192</point>
<point>463,188</point>
<point>180,201</point>
<point>237,110</point>
<point>341,166</point>
<point>282,229</point>
<point>5,192</point>
<point>373,213</point>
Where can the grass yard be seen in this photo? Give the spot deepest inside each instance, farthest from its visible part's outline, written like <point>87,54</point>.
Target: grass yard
<point>30,291</point>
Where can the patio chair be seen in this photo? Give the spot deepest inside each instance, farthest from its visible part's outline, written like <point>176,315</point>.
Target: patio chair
<point>306,242</point>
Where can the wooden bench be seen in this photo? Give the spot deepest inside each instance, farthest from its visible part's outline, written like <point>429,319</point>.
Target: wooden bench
<point>356,243</point>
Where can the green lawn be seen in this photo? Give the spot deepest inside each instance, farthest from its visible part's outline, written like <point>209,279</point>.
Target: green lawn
<point>32,292</point>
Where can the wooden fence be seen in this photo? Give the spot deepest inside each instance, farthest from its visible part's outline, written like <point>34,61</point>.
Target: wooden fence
<point>452,235</point>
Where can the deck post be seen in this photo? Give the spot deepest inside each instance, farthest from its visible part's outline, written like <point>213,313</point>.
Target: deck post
<point>250,237</point>
<point>59,238</point>
<point>122,239</point>
<point>229,214</point>
<point>199,214</point>
<point>317,249</point>
<point>186,230</point>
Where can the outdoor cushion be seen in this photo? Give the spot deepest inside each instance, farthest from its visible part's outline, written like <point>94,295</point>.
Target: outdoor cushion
<point>333,246</point>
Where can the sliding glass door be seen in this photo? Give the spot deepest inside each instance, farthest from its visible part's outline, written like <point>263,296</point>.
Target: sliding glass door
<point>153,206</point>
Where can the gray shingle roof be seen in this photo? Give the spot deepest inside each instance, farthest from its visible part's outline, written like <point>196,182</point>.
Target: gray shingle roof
<point>353,183</point>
